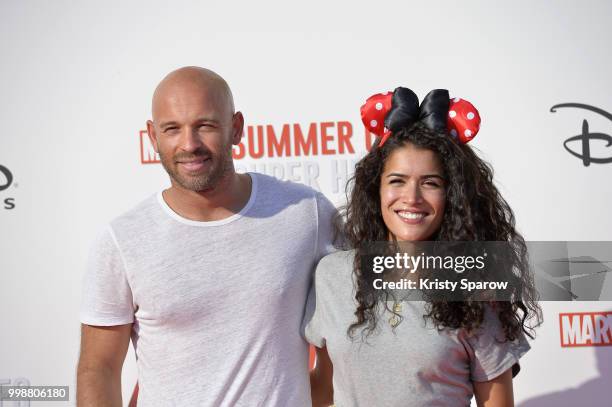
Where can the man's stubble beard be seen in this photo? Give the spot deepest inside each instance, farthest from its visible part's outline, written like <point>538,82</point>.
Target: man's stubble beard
<point>222,165</point>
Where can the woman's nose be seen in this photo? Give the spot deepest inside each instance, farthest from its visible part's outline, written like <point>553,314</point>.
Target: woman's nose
<point>411,193</point>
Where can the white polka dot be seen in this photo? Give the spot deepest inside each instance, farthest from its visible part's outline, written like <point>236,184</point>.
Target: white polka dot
<point>470,115</point>
<point>379,106</point>
<point>453,133</point>
<point>373,123</point>
<point>456,100</point>
<point>467,133</point>
<point>452,114</point>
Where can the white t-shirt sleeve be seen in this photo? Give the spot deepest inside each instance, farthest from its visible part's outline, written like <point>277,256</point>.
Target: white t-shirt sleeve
<point>312,325</point>
<point>492,356</point>
<point>107,296</point>
<point>326,213</point>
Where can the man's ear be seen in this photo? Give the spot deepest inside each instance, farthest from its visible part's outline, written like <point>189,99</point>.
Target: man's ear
<point>152,135</point>
<point>238,128</point>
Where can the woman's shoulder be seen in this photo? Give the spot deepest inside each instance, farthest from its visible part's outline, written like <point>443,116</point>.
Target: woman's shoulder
<point>337,259</point>
<point>336,266</point>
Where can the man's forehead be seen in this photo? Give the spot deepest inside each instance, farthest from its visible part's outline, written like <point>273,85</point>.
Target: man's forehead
<point>190,98</point>
<point>191,85</point>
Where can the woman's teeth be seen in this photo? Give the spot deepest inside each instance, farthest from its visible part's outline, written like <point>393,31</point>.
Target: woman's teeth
<point>411,215</point>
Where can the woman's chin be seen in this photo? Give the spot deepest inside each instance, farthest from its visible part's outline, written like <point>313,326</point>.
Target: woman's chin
<point>410,237</point>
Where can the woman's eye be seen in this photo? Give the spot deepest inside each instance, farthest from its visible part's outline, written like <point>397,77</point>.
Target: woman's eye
<point>396,181</point>
<point>433,184</point>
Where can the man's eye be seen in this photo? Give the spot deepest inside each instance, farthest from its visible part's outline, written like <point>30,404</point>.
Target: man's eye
<point>169,129</point>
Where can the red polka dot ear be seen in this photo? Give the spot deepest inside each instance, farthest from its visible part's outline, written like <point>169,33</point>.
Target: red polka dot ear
<point>463,120</point>
<point>373,113</point>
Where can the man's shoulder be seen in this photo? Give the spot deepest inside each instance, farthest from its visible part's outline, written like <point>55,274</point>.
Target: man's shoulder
<point>141,215</point>
<point>283,188</point>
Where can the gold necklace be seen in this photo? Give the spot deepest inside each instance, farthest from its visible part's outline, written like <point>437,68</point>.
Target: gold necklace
<point>395,319</point>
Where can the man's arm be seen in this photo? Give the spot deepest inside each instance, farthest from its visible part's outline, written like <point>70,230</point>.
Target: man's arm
<point>103,350</point>
<point>321,386</point>
<point>495,393</point>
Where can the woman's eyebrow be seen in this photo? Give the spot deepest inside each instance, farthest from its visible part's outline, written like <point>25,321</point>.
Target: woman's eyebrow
<point>397,174</point>
<point>433,176</point>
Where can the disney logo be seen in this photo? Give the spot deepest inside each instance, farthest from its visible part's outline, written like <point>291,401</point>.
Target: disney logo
<point>9,177</point>
<point>586,136</point>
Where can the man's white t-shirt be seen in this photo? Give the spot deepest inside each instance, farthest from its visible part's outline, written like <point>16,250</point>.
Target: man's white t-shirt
<point>216,306</point>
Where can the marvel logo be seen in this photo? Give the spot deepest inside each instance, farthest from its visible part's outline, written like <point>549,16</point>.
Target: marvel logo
<point>585,329</point>
<point>147,153</point>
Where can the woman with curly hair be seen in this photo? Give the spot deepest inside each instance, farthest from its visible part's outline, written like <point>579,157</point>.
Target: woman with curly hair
<point>420,182</point>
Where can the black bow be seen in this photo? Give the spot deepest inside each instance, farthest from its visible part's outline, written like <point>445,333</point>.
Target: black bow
<point>405,110</point>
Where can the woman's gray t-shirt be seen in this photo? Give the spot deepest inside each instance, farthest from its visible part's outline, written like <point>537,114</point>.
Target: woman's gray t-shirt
<point>415,365</point>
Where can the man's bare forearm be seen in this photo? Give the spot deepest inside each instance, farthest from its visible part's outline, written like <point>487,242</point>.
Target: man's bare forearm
<point>98,387</point>
<point>321,392</point>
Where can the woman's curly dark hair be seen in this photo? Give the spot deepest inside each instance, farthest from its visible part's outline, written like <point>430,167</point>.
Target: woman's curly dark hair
<point>474,211</point>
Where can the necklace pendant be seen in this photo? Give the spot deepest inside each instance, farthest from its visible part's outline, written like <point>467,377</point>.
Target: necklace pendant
<point>397,308</point>
<point>394,321</point>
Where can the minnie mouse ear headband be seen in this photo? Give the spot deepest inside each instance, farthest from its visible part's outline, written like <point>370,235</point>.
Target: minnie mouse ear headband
<point>386,113</point>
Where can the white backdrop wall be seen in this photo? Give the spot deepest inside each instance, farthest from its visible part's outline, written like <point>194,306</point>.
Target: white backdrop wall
<point>76,80</point>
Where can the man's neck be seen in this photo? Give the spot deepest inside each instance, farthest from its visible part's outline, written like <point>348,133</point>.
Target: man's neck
<point>227,198</point>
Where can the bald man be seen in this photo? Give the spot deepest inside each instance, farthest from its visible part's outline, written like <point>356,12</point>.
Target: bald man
<point>209,277</point>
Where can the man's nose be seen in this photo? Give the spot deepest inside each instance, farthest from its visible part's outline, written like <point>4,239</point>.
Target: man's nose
<point>190,140</point>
